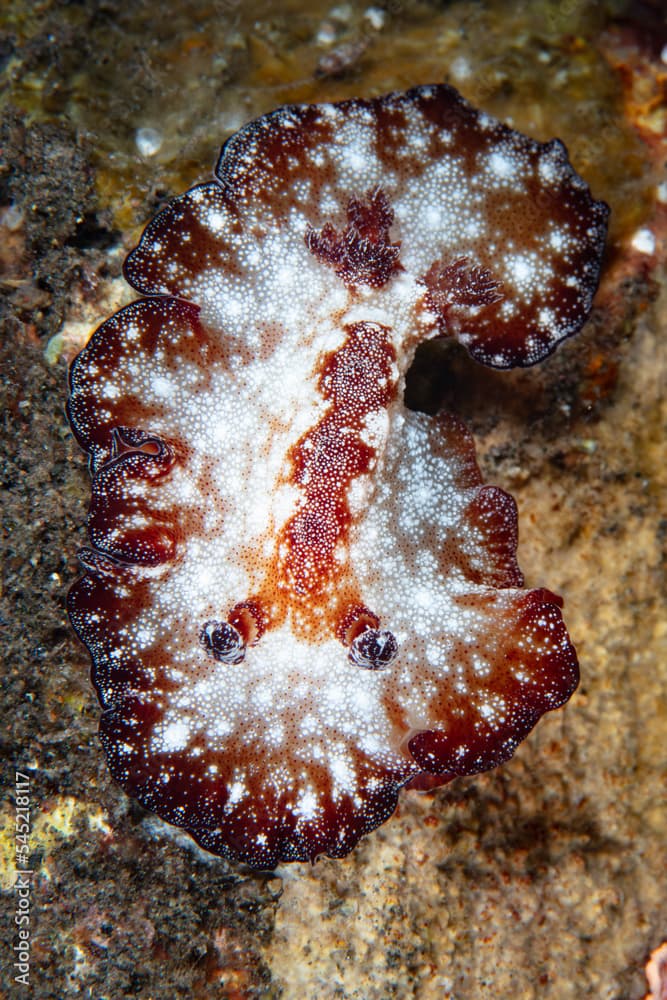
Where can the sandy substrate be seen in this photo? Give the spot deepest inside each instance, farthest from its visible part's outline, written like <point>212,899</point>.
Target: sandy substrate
<point>545,878</point>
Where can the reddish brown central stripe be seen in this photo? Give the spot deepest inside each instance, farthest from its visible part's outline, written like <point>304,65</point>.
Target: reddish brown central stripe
<point>311,576</point>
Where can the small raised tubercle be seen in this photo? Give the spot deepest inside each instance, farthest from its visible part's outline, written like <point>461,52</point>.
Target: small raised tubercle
<point>373,649</point>
<point>224,642</point>
<point>227,641</point>
<point>369,646</point>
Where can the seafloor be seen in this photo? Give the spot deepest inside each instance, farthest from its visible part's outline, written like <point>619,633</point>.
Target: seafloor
<point>546,878</point>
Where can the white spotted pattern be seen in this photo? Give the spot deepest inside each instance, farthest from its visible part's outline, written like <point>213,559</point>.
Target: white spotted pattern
<point>197,406</point>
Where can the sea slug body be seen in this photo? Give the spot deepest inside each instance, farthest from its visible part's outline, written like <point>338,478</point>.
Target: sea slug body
<point>299,596</point>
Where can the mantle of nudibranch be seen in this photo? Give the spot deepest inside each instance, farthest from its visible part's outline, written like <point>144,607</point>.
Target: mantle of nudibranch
<point>300,596</point>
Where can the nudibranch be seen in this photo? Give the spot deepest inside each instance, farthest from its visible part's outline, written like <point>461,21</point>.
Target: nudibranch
<point>299,596</point>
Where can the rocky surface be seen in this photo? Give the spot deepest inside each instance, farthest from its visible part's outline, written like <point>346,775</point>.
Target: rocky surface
<point>544,878</point>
